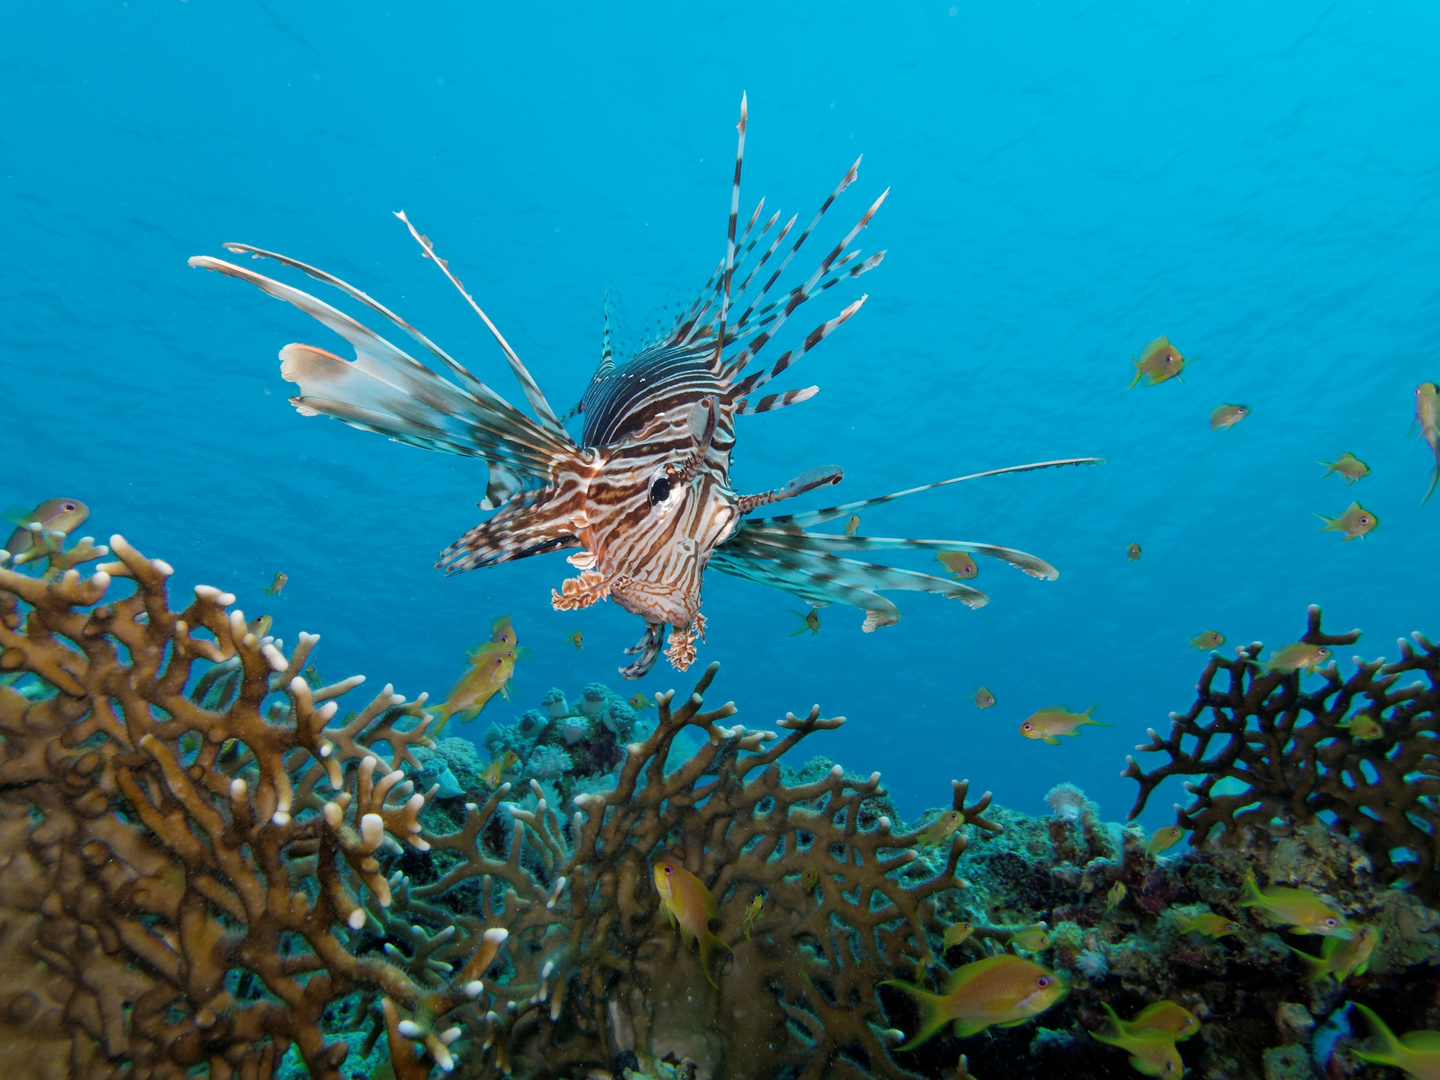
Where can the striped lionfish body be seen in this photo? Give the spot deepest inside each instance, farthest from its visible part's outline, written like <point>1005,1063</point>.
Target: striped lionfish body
<point>644,497</point>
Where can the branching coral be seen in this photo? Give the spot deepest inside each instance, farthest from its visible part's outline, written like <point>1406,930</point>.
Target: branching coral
<point>180,883</point>
<point>1362,755</point>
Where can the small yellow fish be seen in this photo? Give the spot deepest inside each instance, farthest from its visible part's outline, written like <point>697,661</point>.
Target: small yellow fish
<point>1115,896</point>
<point>688,905</point>
<point>812,621</point>
<point>1207,923</point>
<point>577,639</point>
<point>1169,1017</point>
<point>809,879</point>
<point>1340,958</point>
<point>1427,414</point>
<point>311,674</point>
<point>983,698</point>
<point>1362,728</point>
<point>640,701</point>
<point>1158,361</point>
<point>1048,724</point>
<point>1163,839</point>
<point>1004,990</point>
<point>956,933</point>
<point>962,1070</point>
<point>1152,1052</point>
<point>1297,656</point>
<point>752,914</point>
<point>273,589</point>
<point>1355,521</point>
<point>852,524</point>
<point>53,515</point>
<point>1134,552</point>
<point>1225,416</point>
<point>942,828</point>
<point>1209,639</point>
<point>1416,1052</point>
<point>1299,909</point>
<point>1348,466</point>
<point>1034,938</point>
<point>491,666</point>
<point>261,626</point>
<point>958,563</point>
<point>496,770</point>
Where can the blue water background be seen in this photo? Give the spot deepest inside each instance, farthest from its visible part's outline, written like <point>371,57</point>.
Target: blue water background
<point>1067,181</point>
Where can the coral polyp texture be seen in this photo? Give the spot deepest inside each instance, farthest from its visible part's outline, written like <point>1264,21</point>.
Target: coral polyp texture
<point>1361,755</point>
<point>205,870</point>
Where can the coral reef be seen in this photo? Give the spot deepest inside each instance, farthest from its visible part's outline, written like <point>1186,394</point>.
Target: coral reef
<point>1360,754</point>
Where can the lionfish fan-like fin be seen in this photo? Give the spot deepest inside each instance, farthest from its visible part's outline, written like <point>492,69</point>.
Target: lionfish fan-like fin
<point>789,539</point>
<point>529,525</point>
<point>830,513</point>
<point>730,235</point>
<point>385,390</point>
<point>533,394</point>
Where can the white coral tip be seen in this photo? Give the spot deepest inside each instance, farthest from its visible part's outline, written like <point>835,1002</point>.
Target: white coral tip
<point>874,778</point>
<point>372,830</point>
<point>272,654</point>
<point>100,579</point>
<point>443,1058</point>
<point>333,814</point>
<point>837,772</point>
<point>496,934</point>
<point>206,592</point>
<point>280,817</point>
<point>884,824</point>
<point>237,790</point>
<point>409,1029</point>
<point>356,919</point>
<point>449,1035</point>
<point>474,988</point>
<point>163,568</point>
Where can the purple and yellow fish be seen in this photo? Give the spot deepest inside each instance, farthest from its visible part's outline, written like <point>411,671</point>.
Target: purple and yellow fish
<point>1427,415</point>
<point>687,905</point>
<point>52,515</point>
<point>1299,909</point>
<point>1415,1052</point>
<point>1003,990</point>
<point>1049,724</point>
<point>1159,361</point>
<point>1355,521</point>
<point>491,666</point>
<point>642,498</point>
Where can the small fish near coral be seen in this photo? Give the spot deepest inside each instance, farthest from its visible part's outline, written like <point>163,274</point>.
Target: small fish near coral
<point>577,639</point>
<point>1416,1052</point>
<point>1297,656</point>
<point>1207,923</point>
<point>640,701</point>
<point>62,516</point>
<point>956,933</point>
<point>1355,521</point>
<point>961,566</point>
<point>1114,896</point>
<point>1049,724</point>
<point>688,906</point>
<point>1034,938</point>
<point>941,829</point>
<point>273,589</point>
<point>1225,416</point>
<point>983,698</point>
<point>1207,640</point>
<point>1159,361</point>
<point>491,665</point>
<point>1001,990</point>
<point>1362,727</point>
<point>1427,415</point>
<point>1348,466</point>
<point>1163,839</point>
<point>811,620</point>
<point>1152,1050</point>
<point>752,914</point>
<point>1133,551</point>
<point>494,773</point>
<point>1340,958</point>
<point>1299,909</point>
<point>643,498</point>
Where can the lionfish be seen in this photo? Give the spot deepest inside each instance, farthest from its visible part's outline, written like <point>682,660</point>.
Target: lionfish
<point>645,494</point>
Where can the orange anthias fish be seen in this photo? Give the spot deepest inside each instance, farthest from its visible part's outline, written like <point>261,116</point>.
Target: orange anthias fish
<point>1355,521</point>
<point>641,500</point>
<point>1152,1049</point>
<point>942,828</point>
<point>688,905</point>
<point>1049,724</point>
<point>52,515</point>
<point>577,639</point>
<point>1208,639</point>
<point>811,619</point>
<point>1299,909</point>
<point>983,698</point>
<point>1003,990</point>
<point>491,666</point>
<point>1207,923</point>
<point>1427,415</point>
<point>1224,416</point>
<point>1297,656</point>
<point>1163,839</point>
<point>1340,957</point>
<point>1348,466</point>
<point>852,525</point>
<point>958,563</point>
<point>1133,551</point>
<point>273,589</point>
<point>1159,361</point>
<point>1416,1052</point>
<point>495,772</point>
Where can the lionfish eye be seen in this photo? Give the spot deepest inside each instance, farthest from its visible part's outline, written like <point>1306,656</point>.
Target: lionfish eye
<point>660,490</point>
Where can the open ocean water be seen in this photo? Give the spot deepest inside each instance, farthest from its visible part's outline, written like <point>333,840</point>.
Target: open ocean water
<point>1261,183</point>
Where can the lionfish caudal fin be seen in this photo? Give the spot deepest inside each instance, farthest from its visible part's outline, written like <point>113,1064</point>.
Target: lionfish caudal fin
<point>779,552</point>
<point>706,323</point>
<point>386,390</point>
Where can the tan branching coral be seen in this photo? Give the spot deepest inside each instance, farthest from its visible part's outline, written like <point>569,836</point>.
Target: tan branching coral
<point>178,884</point>
<point>1262,749</point>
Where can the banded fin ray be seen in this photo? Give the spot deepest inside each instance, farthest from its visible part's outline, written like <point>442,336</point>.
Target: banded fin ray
<point>830,513</point>
<point>759,531</point>
<point>386,390</point>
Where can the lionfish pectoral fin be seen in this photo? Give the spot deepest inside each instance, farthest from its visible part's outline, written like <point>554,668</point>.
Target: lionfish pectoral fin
<point>528,524</point>
<point>648,648</point>
<point>809,480</point>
